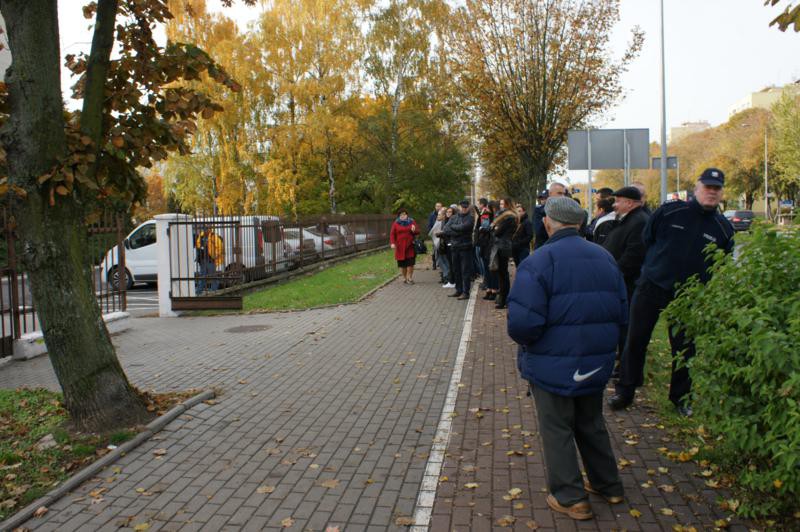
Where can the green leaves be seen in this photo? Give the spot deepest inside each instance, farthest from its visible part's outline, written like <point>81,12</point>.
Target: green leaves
<point>746,376</point>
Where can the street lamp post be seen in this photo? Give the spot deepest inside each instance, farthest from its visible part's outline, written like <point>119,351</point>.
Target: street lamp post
<point>766,174</point>
<point>663,114</point>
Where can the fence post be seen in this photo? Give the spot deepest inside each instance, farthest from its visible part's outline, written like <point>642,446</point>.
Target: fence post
<point>13,286</point>
<point>167,268</point>
<point>123,272</point>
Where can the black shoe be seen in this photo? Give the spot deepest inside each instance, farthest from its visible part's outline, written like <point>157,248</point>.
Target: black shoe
<point>462,297</point>
<point>618,402</point>
<point>615,373</point>
<point>685,410</point>
<point>490,296</point>
<point>457,294</point>
<point>500,306</point>
<point>501,303</point>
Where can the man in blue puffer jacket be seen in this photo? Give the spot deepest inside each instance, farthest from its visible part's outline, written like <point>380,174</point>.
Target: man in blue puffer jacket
<point>566,311</point>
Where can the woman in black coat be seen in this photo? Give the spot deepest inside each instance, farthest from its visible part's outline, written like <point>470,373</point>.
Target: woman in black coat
<point>503,228</point>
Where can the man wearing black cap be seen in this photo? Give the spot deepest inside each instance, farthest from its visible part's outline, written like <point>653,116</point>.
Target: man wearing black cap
<point>459,231</point>
<point>624,241</point>
<point>675,238</point>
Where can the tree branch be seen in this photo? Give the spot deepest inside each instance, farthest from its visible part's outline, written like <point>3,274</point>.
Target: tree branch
<point>97,71</point>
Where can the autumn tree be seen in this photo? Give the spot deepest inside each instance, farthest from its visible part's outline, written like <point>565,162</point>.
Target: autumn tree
<point>530,70</point>
<point>789,17</point>
<point>221,175</point>
<point>786,145</point>
<point>62,166</point>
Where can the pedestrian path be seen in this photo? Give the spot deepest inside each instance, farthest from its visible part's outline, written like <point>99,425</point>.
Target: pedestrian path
<point>327,418</point>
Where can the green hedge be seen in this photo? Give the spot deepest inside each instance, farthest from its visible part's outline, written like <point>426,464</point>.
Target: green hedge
<point>746,377</point>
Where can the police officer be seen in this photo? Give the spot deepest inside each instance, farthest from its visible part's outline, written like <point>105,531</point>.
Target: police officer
<point>675,238</point>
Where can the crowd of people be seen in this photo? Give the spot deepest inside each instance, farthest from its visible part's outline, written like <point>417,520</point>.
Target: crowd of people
<point>583,305</point>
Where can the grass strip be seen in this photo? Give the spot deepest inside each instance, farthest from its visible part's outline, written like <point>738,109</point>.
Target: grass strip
<point>342,283</point>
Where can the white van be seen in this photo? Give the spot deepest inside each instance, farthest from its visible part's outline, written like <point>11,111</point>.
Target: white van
<point>254,244</point>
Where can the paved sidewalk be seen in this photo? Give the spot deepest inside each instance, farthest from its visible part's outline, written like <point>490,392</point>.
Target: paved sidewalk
<point>326,417</point>
<point>495,444</point>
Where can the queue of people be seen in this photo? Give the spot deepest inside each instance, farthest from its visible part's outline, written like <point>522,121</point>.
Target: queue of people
<point>577,307</point>
<point>582,307</point>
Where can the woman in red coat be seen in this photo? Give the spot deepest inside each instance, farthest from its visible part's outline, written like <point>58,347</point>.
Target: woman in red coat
<point>404,229</point>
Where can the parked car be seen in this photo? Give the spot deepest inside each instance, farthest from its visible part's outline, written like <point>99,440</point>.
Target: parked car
<point>329,242</point>
<point>300,252</point>
<point>741,220</point>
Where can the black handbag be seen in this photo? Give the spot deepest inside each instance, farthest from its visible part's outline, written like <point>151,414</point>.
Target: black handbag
<point>419,247</point>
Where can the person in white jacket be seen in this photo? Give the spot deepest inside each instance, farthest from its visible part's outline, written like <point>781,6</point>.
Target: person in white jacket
<point>440,258</point>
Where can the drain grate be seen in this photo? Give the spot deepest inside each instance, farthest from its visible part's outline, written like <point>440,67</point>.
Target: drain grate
<point>248,328</point>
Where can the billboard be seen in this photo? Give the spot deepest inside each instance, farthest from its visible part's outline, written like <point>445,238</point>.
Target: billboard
<point>611,149</point>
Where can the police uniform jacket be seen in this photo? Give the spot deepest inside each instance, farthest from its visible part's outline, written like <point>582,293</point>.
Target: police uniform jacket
<point>676,237</point>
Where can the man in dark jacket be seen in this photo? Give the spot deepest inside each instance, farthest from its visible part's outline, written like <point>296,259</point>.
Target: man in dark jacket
<point>556,190</point>
<point>459,231</point>
<point>675,238</point>
<point>521,243</point>
<point>567,323</point>
<point>624,241</point>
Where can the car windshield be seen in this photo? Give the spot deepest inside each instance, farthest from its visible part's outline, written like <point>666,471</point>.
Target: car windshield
<point>744,214</point>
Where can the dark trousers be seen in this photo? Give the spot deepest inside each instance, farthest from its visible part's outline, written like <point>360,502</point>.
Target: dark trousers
<point>503,279</point>
<point>648,301</point>
<point>520,254</point>
<point>565,422</point>
<point>462,266</point>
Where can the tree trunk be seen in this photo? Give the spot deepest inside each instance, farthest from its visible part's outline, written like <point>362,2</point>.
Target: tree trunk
<point>331,180</point>
<point>96,391</point>
<point>394,140</point>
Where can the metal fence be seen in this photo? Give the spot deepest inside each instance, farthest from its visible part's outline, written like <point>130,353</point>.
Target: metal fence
<point>211,257</point>
<point>104,233</point>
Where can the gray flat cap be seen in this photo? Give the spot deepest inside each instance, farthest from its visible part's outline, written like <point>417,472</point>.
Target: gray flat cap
<point>565,210</point>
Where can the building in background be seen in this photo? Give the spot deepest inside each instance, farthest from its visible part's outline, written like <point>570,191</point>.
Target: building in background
<point>764,99</point>
<point>687,128</point>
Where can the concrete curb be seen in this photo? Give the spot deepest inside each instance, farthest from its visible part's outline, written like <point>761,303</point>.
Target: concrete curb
<point>32,345</point>
<point>94,468</point>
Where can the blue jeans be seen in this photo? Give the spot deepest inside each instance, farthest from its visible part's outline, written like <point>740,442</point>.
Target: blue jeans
<point>444,265</point>
<point>207,269</point>
<point>479,263</point>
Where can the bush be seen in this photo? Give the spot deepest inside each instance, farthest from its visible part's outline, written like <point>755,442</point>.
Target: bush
<point>746,377</point>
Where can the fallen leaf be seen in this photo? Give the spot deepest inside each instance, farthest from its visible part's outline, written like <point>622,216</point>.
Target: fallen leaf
<point>332,529</point>
<point>777,483</point>
<point>471,485</point>
<point>666,511</point>
<point>712,483</point>
<point>721,523</point>
<point>519,506</point>
<point>404,521</point>
<point>506,521</point>
<point>635,513</point>
<point>96,493</point>
<point>265,489</point>
<point>40,511</point>
<point>160,452</point>
<point>663,470</point>
<point>329,483</point>
<point>533,525</point>
<point>666,488</point>
<point>141,526</point>
<point>242,381</point>
<point>287,522</point>
<point>513,494</point>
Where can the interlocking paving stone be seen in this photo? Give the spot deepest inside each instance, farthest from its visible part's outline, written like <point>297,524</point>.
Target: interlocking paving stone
<point>309,396</point>
<point>352,393</point>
